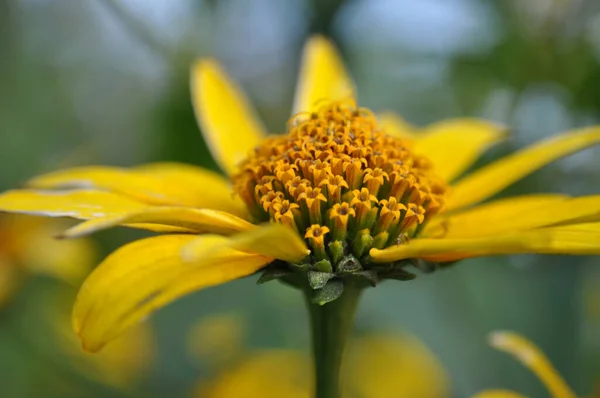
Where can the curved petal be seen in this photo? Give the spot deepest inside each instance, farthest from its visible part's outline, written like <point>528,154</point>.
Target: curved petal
<point>491,179</point>
<point>498,394</point>
<point>149,184</point>
<point>396,126</point>
<point>184,219</point>
<point>323,76</point>
<point>228,122</point>
<point>272,240</point>
<point>454,145</point>
<point>534,359</point>
<point>569,239</point>
<point>511,214</point>
<point>83,204</point>
<point>148,274</point>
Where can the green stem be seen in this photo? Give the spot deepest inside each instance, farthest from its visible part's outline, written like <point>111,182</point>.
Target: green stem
<point>331,326</point>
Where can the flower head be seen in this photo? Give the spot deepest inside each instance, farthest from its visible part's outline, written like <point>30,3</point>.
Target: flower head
<point>344,196</point>
<point>331,149</point>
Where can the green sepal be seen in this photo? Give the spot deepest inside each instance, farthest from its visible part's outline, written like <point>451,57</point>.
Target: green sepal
<point>300,267</point>
<point>316,279</point>
<point>399,274</point>
<point>328,293</point>
<point>424,265</point>
<point>349,264</point>
<point>369,276</point>
<point>323,266</point>
<point>336,249</point>
<point>271,274</point>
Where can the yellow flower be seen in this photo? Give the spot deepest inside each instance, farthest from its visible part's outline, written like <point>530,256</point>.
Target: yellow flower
<point>27,247</point>
<point>534,359</point>
<point>334,152</point>
<point>378,365</point>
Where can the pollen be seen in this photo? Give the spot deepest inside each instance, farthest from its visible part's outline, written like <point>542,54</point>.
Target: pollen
<point>339,180</point>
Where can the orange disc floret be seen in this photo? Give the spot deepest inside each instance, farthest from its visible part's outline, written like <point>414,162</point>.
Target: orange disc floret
<point>338,169</point>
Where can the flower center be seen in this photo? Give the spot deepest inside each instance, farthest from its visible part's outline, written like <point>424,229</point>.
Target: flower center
<point>336,176</point>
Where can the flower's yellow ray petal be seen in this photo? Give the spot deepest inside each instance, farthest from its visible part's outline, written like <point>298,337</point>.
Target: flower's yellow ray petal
<point>323,76</point>
<point>210,190</point>
<point>491,179</point>
<point>217,191</point>
<point>499,394</point>
<point>79,203</point>
<point>148,274</point>
<point>396,126</point>
<point>454,145</point>
<point>568,239</point>
<point>515,213</point>
<point>193,220</point>
<point>272,240</point>
<point>228,122</point>
<point>463,222</point>
<point>534,359</point>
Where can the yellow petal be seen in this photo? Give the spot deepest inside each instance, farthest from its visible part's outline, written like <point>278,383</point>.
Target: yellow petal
<point>454,145</point>
<point>184,219</point>
<point>228,122</point>
<point>148,274</point>
<point>510,214</point>
<point>498,394</point>
<point>568,239</point>
<point>215,191</point>
<point>158,188</point>
<point>323,76</point>
<point>396,126</point>
<point>272,240</point>
<point>491,179</point>
<point>82,203</point>
<point>534,359</point>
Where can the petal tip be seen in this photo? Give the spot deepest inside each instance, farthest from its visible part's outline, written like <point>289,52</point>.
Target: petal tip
<point>499,338</point>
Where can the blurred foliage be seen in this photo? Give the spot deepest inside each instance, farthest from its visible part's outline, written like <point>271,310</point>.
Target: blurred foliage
<point>106,82</point>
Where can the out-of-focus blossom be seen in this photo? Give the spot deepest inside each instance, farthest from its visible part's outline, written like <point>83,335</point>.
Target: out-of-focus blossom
<point>28,246</point>
<point>533,358</point>
<point>377,366</point>
<point>123,363</point>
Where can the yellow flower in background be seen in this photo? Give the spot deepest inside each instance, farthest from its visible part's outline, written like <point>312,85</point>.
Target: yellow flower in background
<point>378,365</point>
<point>343,198</point>
<point>534,359</point>
<point>122,363</point>
<point>27,246</point>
